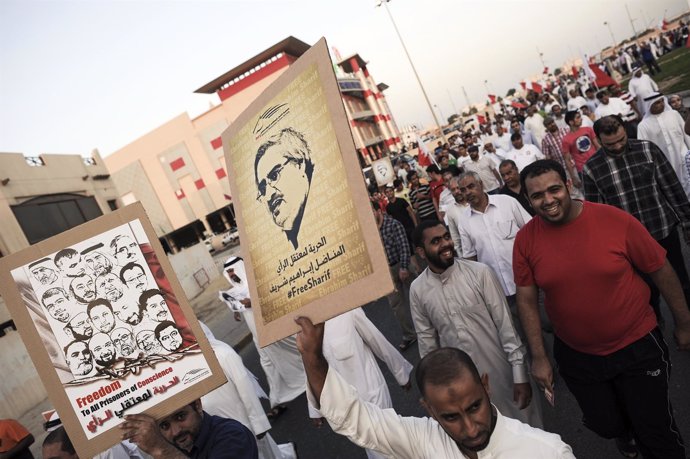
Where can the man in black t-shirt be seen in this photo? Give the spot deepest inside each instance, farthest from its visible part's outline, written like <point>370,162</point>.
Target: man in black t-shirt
<point>400,210</point>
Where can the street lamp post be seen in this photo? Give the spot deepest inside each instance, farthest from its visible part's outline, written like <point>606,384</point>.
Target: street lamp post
<point>421,86</point>
<point>440,111</point>
<point>607,24</point>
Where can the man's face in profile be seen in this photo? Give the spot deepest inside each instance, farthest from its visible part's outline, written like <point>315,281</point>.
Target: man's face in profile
<point>79,359</point>
<point>283,185</point>
<point>72,265</point>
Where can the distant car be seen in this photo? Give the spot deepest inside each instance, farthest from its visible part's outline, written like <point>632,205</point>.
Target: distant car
<point>230,236</point>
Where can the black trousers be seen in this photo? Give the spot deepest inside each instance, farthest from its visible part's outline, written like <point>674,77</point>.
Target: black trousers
<point>626,391</point>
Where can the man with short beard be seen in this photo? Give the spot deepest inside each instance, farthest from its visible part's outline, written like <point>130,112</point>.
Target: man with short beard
<point>109,286</point>
<point>134,277</point>
<point>83,288</point>
<point>56,302</point>
<point>80,327</point>
<point>511,178</point>
<point>169,336</point>
<point>96,260</point>
<point>153,304</point>
<point>635,175</point>
<point>460,303</point>
<point>128,312</point>
<point>103,350</point>
<point>147,342</point>
<point>43,271</point>
<point>609,349</point>
<point>124,342</point>
<point>101,314</point>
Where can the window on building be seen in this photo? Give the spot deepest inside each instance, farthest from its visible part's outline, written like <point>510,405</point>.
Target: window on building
<point>46,216</point>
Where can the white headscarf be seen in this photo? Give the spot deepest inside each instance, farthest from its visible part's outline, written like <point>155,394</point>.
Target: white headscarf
<point>648,101</point>
<point>239,288</point>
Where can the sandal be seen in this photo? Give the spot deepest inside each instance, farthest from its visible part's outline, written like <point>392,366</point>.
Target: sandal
<point>276,412</point>
<point>406,343</point>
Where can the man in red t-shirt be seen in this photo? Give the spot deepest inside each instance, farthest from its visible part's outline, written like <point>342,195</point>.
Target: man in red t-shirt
<point>580,142</point>
<point>436,186</point>
<point>610,352</point>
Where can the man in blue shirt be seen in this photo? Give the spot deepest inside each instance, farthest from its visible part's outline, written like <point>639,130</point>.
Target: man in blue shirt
<point>190,432</point>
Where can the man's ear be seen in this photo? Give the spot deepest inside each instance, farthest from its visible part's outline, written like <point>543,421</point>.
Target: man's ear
<point>197,405</point>
<point>426,407</point>
<point>569,185</point>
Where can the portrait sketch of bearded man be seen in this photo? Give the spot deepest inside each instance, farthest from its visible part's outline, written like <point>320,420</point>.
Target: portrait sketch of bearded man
<point>283,169</point>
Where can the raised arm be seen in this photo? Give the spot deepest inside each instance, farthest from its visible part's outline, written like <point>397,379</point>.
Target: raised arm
<point>310,345</point>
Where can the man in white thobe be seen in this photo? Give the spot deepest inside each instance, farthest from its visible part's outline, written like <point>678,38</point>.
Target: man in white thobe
<point>663,126</point>
<point>534,124</point>
<point>488,232</point>
<point>456,213</point>
<point>641,86</point>
<point>351,342</point>
<point>460,303</point>
<point>238,399</point>
<point>280,361</point>
<point>465,423</point>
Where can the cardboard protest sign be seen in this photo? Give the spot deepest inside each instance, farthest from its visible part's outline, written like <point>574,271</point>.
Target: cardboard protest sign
<point>383,171</point>
<point>107,326</point>
<point>309,239</point>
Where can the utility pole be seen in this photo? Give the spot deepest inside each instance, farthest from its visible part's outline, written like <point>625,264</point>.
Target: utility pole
<point>632,21</point>
<point>414,70</point>
<point>541,58</point>
<point>455,109</point>
<point>608,24</point>
<point>467,99</point>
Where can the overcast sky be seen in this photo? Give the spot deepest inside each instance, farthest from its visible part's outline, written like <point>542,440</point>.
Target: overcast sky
<point>78,75</point>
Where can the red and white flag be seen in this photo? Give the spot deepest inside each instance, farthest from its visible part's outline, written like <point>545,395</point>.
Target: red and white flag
<point>424,158</point>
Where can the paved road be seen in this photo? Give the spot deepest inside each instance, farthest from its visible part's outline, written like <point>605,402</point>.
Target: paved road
<point>564,419</point>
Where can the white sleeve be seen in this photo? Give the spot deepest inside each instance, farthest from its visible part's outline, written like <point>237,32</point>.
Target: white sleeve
<point>370,426</point>
<point>427,336</point>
